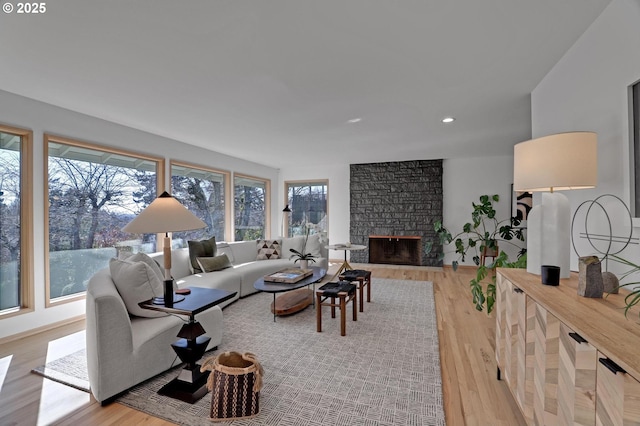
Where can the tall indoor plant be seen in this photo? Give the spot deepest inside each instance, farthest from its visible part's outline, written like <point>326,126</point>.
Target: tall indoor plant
<point>485,234</point>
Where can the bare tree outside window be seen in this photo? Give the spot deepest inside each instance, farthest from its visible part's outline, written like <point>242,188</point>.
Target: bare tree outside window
<point>203,192</point>
<point>92,194</point>
<point>308,203</point>
<point>250,200</point>
<point>10,223</point>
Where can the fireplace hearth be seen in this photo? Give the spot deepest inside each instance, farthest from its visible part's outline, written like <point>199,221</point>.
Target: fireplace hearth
<point>395,249</point>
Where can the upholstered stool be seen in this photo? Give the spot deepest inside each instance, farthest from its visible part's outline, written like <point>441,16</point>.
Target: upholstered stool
<point>363,278</point>
<point>326,296</point>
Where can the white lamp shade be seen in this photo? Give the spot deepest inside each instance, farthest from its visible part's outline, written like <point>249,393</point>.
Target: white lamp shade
<point>556,162</point>
<point>164,214</point>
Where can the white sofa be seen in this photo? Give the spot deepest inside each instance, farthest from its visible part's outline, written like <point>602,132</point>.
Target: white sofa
<point>124,350</point>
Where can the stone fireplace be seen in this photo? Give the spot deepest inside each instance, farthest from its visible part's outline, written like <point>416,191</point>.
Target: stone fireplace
<point>397,200</point>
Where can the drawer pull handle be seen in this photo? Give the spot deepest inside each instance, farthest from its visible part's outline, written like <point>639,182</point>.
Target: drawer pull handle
<point>578,338</point>
<point>517,290</point>
<point>612,366</point>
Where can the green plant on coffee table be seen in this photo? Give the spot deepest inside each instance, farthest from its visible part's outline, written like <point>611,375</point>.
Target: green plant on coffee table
<point>484,233</point>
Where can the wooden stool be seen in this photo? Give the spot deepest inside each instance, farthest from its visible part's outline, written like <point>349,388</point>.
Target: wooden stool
<point>345,293</point>
<point>363,278</point>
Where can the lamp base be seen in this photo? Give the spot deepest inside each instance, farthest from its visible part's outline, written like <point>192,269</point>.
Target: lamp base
<point>169,297</point>
<point>160,300</point>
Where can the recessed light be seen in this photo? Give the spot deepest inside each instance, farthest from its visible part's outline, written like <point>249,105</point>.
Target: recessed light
<point>354,120</point>
<point>448,120</point>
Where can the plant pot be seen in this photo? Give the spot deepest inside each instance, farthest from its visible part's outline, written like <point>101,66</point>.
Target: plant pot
<point>304,264</point>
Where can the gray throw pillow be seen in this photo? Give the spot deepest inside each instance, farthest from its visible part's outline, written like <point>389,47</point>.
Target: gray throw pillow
<point>202,248</point>
<point>215,263</point>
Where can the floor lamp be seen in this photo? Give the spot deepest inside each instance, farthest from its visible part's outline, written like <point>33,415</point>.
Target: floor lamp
<point>165,214</point>
<point>286,213</point>
<point>563,161</point>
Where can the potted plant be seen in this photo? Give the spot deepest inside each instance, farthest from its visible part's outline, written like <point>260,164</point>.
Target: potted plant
<point>483,237</point>
<point>303,256</point>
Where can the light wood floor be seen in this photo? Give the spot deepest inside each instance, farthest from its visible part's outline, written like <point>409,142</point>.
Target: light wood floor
<point>472,395</point>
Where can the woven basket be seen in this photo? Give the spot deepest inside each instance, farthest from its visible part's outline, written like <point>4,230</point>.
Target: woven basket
<point>235,382</point>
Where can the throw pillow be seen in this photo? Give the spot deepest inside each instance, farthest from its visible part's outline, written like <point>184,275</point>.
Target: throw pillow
<point>143,257</point>
<point>269,249</point>
<point>202,248</point>
<point>136,282</point>
<point>215,263</point>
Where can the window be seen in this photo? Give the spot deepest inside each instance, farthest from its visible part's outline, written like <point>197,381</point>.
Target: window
<point>92,193</point>
<point>251,198</point>
<point>16,217</point>
<point>308,203</point>
<point>204,192</point>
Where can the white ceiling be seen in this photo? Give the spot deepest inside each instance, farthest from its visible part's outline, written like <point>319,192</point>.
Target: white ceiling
<point>257,78</point>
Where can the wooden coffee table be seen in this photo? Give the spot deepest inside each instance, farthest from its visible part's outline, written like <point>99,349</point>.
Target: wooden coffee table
<point>296,297</point>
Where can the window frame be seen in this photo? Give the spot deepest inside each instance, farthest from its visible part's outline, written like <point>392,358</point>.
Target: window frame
<point>634,146</point>
<point>228,201</point>
<point>160,183</point>
<point>267,203</point>
<point>27,290</point>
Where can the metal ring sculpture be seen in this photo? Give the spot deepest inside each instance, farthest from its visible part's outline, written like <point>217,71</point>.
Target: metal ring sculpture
<point>625,240</point>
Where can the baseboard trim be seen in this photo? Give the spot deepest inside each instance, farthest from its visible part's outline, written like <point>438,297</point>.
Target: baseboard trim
<point>42,329</point>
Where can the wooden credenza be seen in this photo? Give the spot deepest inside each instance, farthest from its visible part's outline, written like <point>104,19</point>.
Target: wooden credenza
<point>567,359</point>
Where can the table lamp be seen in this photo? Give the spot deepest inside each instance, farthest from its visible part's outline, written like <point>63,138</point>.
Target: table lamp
<point>563,161</point>
<point>165,214</point>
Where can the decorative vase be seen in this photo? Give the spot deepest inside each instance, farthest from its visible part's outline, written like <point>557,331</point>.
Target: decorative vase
<point>304,264</point>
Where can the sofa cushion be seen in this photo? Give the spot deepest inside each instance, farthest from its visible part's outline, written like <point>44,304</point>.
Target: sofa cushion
<point>314,246</point>
<point>136,282</point>
<point>269,249</point>
<point>215,263</point>
<point>225,248</point>
<point>291,243</point>
<point>202,248</point>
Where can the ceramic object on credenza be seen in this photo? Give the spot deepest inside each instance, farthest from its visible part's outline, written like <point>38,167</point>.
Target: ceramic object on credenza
<point>610,282</point>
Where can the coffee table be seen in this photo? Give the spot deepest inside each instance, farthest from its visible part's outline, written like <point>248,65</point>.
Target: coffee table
<point>293,301</point>
<point>190,385</point>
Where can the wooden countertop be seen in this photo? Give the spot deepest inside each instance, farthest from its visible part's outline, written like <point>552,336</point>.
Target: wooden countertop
<point>600,321</point>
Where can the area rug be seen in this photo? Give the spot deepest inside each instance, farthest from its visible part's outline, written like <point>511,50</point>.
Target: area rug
<point>385,371</point>
<point>70,370</point>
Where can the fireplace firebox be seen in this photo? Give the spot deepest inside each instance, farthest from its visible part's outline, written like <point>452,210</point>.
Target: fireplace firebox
<point>395,249</point>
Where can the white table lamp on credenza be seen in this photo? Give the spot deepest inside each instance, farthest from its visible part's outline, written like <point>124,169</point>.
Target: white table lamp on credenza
<point>165,214</point>
<point>563,161</point>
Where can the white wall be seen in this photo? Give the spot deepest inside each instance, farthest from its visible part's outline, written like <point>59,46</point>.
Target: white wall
<point>39,117</point>
<point>587,90</point>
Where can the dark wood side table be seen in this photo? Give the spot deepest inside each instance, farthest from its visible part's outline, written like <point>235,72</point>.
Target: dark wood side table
<point>190,385</point>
